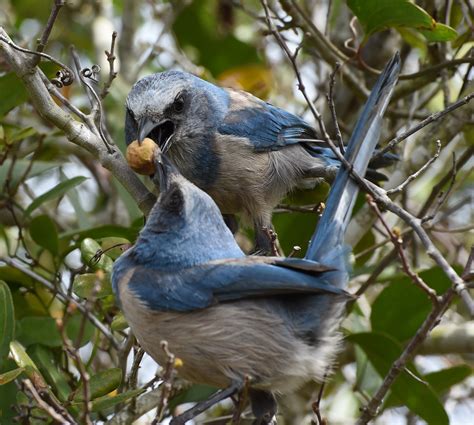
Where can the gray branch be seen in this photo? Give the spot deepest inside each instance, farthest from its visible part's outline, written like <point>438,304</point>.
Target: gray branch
<point>76,132</point>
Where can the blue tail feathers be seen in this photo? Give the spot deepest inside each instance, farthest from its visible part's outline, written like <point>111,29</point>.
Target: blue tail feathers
<point>327,244</point>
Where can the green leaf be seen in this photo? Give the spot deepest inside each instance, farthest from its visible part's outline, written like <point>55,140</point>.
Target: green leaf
<point>21,166</point>
<point>119,323</point>
<point>90,285</point>
<point>8,395</point>
<point>294,229</point>
<point>48,366</point>
<point>440,32</point>
<point>207,46</point>
<point>44,330</point>
<point>93,256</point>
<point>194,394</point>
<point>114,246</point>
<point>367,241</point>
<point>76,326</point>
<point>39,330</point>
<point>443,380</point>
<point>101,384</point>
<point>16,277</point>
<point>414,39</point>
<point>43,231</point>
<point>16,134</point>
<point>419,397</point>
<point>11,375</point>
<point>107,402</point>
<point>378,15</point>
<point>401,307</point>
<point>24,361</point>
<point>55,192</point>
<point>13,92</point>
<point>7,320</point>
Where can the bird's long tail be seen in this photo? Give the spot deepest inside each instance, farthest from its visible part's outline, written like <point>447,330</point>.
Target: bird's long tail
<point>327,245</point>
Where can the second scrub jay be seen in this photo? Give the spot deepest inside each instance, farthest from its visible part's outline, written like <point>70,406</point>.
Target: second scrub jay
<point>245,153</point>
<point>231,318</point>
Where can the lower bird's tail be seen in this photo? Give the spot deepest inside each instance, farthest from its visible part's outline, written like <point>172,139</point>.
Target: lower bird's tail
<point>327,245</point>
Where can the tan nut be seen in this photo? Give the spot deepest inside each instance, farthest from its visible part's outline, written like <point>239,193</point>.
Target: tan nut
<point>140,157</point>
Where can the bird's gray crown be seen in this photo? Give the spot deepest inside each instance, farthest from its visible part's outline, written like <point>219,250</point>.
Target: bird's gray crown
<point>153,92</point>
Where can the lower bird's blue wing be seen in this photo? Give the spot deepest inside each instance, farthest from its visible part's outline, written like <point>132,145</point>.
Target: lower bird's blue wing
<point>224,280</point>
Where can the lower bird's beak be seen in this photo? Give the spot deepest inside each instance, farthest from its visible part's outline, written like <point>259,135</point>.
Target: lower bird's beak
<point>165,171</point>
<point>161,132</point>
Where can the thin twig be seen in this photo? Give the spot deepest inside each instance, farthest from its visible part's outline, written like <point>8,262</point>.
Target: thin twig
<point>84,375</point>
<point>316,406</point>
<point>63,298</point>
<point>64,100</point>
<point>273,239</point>
<point>371,409</point>
<point>398,243</point>
<point>292,57</point>
<point>66,76</point>
<point>49,26</point>
<point>133,376</point>
<point>112,73</point>
<point>415,175</point>
<point>432,118</point>
<point>167,384</point>
<point>442,196</point>
<point>45,406</point>
<point>332,108</point>
<point>95,101</point>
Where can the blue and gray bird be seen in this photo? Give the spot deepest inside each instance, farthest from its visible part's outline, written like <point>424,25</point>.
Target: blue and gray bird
<point>269,321</point>
<point>245,153</point>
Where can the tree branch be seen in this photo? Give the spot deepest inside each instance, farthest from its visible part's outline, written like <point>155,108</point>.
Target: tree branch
<point>74,130</point>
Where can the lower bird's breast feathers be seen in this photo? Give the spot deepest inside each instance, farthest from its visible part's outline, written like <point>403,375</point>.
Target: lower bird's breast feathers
<point>232,341</point>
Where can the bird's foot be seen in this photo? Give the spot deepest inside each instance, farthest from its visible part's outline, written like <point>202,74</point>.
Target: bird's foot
<point>197,409</point>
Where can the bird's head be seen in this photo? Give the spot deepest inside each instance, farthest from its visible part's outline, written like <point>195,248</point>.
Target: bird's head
<point>172,106</point>
<point>185,222</point>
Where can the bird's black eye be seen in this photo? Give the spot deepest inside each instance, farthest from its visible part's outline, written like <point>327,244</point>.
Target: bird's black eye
<point>178,104</point>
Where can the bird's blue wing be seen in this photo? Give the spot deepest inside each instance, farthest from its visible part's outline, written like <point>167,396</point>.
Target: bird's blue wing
<point>224,280</point>
<point>265,126</point>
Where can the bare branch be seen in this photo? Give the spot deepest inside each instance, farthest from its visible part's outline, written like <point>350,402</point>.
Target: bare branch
<point>45,406</point>
<point>332,107</point>
<point>112,73</point>
<point>398,243</point>
<point>49,25</point>
<point>415,175</point>
<point>432,118</point>
<point>75,131</point>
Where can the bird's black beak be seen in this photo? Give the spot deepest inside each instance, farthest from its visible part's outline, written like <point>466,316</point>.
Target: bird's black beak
<point>165,171</point>
<point>160,132</point>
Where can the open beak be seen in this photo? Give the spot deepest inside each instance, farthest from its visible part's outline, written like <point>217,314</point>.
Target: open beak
<point>161,133</point>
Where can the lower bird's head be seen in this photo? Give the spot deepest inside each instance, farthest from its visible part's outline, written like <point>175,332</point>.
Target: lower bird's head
<point>172,106</point>
<point>184,223</point>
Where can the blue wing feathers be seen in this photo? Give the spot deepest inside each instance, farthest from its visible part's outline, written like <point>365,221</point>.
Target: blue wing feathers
<point>265,126</point>
<point>202,286</point>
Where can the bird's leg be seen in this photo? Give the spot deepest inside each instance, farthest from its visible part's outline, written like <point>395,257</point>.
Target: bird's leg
<point>266,241</point>
<point>264,407</point>
<point>220,395</point>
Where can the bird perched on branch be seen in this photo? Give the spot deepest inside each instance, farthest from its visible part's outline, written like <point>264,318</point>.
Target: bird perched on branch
<point>245,153</point>
<point>232,318</point>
